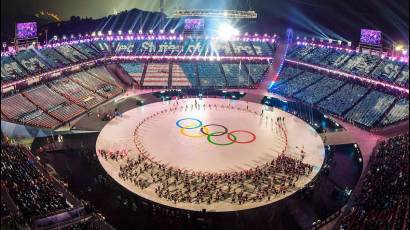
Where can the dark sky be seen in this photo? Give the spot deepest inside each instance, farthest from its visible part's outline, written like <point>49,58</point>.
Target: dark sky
<point>335,18</point>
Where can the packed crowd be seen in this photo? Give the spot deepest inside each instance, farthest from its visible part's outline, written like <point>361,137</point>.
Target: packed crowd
<point>384,198</point>
<point>30,189</point>
<point>5,211</point>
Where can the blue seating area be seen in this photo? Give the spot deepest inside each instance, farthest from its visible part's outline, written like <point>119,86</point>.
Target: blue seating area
<point>102,46</point>
<point>399,112</point>
<point>298,52</point>
<point>190,72</point>
<point>335,59</point>
<point>236,75</point>
<point>370,108</point>
<point>242,48</point>
<point>145,47</point>
<point>361,64</point>
<point>196,47</point>
<point>11,70</point>
<point>262,49</point>
<point>316,55</point>
<point>124,47</point>
<point>55,59</point>
<point>221,48</point>
<point>71,54</point>
<point>387,70</point>
<point>168,47</point>
<point>210,75</point>
<point>287,73</point>
<point>31,62</point>
<point>319,90</point>
<point>403,77</point>
<point>343,99</point>
<point>257,71</point>
<point>134,69</point>
<point>297,83</point>
<point>91,53</point>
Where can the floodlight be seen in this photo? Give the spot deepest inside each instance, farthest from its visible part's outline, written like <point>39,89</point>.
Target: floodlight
<point>226,31</point>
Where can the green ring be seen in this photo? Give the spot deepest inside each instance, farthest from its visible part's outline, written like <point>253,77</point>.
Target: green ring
<point>228,143</point>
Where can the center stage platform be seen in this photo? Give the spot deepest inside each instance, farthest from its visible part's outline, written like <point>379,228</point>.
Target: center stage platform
<point>208,137</point>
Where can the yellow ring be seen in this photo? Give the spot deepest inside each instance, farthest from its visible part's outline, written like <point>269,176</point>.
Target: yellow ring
<point>200,134</point>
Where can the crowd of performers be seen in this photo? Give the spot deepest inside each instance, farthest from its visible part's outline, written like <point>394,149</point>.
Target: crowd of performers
<point>254,185</point>
<point>113,155</point>
<point>262,183</point>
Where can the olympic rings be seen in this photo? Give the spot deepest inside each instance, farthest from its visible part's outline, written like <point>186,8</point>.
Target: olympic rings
<point>242,142</point>
<point>184,119</point>
<point>183,132</point>
<point>213,135</point>
<point>204,131</point>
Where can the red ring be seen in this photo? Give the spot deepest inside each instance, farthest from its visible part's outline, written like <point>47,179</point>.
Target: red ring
<point>242,142</point>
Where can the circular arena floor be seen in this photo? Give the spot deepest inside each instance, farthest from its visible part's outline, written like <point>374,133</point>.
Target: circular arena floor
<point>209,136</point>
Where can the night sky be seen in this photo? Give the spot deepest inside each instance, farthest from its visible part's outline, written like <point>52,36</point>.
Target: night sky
<point>340,19</point>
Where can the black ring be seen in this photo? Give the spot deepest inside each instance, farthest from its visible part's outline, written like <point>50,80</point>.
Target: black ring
<point>220,133</point>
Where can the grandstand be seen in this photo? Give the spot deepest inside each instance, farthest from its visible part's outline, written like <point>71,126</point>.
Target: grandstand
<point>170,130</point>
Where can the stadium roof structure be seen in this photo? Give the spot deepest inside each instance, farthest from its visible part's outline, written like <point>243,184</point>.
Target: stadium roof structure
<point>213,13</point>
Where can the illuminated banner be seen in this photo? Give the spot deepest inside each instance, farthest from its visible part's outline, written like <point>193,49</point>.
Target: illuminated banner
<point>194,24</point>
<point>371,37</point>
<point>26,30</point>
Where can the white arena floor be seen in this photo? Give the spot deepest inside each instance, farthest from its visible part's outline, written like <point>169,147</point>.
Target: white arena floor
<point>252,140</point>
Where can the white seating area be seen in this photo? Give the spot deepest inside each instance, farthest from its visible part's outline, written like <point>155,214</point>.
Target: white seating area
<point>371,108</point>
<point>43,120</point>
<point>44,97</point>
<point>399,112</point>
<point>157,75</point>
<point>15,106</point>
<point>179,78</point>
<point>76,93</point>
<point>66,112</point>
<point>102,73</point>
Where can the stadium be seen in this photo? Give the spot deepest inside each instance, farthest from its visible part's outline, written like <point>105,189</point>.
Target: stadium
<point>180,119</point>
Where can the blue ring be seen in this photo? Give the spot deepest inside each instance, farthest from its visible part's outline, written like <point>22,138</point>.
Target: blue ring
<point>195,127</point>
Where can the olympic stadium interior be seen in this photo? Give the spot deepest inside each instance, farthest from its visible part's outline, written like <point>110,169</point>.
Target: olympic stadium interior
<point>193,116</point>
